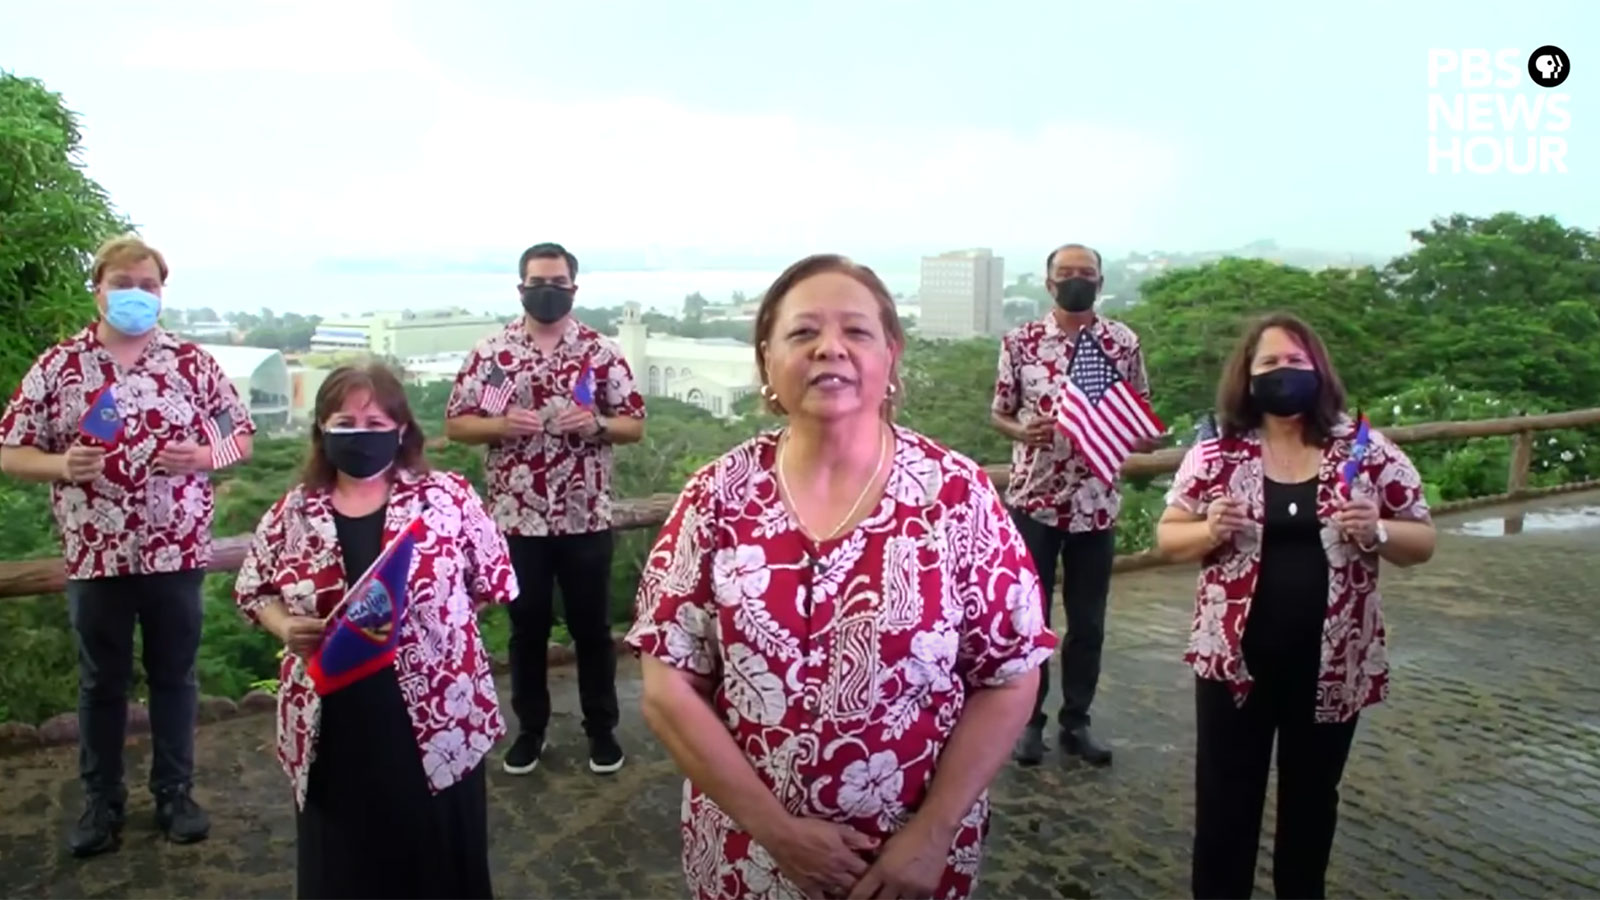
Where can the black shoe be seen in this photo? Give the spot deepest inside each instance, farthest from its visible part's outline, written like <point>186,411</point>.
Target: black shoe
<point>1030,748</point>
<point>99,829</point>
<point>1079,742</point>
<point>523,757</point>
<point>180,818</point>
<point>605,754</point>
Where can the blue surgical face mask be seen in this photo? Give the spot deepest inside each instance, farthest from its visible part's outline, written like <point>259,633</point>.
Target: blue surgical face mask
<point>132,311</point>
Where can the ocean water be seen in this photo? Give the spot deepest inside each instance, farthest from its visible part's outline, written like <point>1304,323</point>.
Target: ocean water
<point>332,294</point>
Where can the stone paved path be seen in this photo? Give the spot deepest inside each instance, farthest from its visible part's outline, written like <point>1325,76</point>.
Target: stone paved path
<point>1480,777</point>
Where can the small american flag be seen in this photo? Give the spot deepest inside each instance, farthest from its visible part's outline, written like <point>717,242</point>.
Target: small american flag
<point>1103,414</point>
<point>1202,453</point>
<point>222,437</point>
<point>497,389</point>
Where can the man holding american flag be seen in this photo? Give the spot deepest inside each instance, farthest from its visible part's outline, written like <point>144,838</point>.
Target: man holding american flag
<point>1072,393</point>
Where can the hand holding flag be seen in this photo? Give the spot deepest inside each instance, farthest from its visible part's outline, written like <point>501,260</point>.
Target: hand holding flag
<point>1202,452</point>
<point>1103,415</point>
<point>364,628</point>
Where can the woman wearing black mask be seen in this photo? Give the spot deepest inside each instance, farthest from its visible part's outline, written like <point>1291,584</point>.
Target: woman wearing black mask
<point>389,784</point>
<point>1288,637</point>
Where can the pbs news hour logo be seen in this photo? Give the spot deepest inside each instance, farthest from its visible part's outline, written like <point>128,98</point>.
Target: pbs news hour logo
<point>1498,111</point>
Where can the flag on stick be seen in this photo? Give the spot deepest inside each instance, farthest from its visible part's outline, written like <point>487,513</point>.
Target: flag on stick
<point>583,387</point>
<point>1103,415</point>
<point>101,420</point>
<point>1358,453</point>
<point>1200,455</point>
<point>364,628</point>
<point>497,389</point>
<point>224,440</point>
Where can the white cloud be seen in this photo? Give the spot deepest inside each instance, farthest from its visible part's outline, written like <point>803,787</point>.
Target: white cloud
<point>330,37</point>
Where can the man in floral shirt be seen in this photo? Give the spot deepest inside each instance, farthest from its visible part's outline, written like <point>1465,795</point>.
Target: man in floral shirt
<point>120,420</point>
<point>1064,511</point>
<point>550,396</point>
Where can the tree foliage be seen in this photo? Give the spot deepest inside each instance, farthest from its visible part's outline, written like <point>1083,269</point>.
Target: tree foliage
<point>52,218</point>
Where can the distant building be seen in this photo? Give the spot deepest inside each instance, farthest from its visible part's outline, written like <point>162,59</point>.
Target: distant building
<point>962,295</point>
<point>401,335</point>
<point>712,374</point>
<point>261,377</point>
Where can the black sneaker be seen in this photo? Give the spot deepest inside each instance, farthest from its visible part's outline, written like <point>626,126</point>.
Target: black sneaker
<point>605,754</point>
<point>1079,742</point>
<point>99,829</point>
<point>1030,747</point>
<point>523,757</point>
<point>180,818</point>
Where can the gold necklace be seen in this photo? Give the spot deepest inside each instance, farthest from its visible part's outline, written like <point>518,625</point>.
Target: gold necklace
<point>783,446</point>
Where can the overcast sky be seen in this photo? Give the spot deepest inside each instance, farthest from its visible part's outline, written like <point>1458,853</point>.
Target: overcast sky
<point>292,133</point>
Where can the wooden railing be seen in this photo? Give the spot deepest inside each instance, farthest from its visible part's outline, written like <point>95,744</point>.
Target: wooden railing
<point>24,578</point>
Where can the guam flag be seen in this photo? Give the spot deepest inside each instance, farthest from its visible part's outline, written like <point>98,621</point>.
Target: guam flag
<point>583,387</point>
<point>101,420</point>
<point>364,629</point>
<point>1358,453</point>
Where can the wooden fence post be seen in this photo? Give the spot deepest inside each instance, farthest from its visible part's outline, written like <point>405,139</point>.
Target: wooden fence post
<point>1521,462</point>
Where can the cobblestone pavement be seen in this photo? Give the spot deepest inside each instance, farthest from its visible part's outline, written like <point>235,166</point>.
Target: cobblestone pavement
<point>1480,777</point>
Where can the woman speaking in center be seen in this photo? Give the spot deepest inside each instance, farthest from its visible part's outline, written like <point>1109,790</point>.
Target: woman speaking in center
<point>1288,636</point>
<point>388,771</point>
<point>839,625</point>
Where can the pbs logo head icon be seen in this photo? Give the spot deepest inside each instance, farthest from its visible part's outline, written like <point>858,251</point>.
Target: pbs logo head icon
<point>1549,66</point>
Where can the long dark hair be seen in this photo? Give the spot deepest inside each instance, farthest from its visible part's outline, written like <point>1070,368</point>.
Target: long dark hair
<point>1237,415</point>
<point>380,383</point>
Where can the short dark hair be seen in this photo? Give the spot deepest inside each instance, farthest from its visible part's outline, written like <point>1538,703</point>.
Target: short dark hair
<point>1237,415</point>
<point>547,250</point>
<point>379,381</point>
<point>820,264</point>
<point>1050,260</point>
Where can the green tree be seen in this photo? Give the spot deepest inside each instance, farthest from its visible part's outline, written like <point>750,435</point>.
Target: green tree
<point>52,218</point>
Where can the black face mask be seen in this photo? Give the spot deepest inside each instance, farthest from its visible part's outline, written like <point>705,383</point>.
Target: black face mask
<point>547,302</point>
<point>1285,391</point>
<point>1075,294</point>
<point>361,454</point>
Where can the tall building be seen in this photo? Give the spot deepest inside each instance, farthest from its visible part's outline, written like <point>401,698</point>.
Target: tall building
<point>962,294</point>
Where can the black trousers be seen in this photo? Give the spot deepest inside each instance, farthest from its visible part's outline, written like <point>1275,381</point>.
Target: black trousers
<point>1086,559</point>
<point>581,565</point>
<point>1233,755</point>
<point>167,609</point>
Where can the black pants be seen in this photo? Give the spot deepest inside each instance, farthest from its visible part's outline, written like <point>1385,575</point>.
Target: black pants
<point>1086,559</point>
<point>1233,755</point>
<point>581,565</point>
<point>167,608</point>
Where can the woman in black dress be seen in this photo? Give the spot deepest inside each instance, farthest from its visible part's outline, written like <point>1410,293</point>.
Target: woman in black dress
<point>388,770</point>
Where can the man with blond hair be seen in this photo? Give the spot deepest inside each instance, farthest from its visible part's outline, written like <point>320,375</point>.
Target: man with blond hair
<point>124,420</point>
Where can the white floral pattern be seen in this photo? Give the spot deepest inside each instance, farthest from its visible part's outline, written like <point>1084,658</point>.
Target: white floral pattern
<point>549,484</point>
<point>132,520</point>
<point>443,669</point>
<point>1355,670</point>
<point>1054,484</point>
<point>841,680</point>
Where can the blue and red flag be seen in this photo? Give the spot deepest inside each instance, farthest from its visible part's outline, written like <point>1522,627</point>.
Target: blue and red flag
<point>364,629</point>
<point>583,388</point>
<point>1358,453</point>
<point>101,420</point>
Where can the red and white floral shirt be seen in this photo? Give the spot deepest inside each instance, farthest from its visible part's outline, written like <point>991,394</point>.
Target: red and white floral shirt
<point>133,519</point>
<point>843,668</point>
<point>1054,484</point>
<point>1355,664</point>
<point>549,484</point>
<point>460,562</point>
